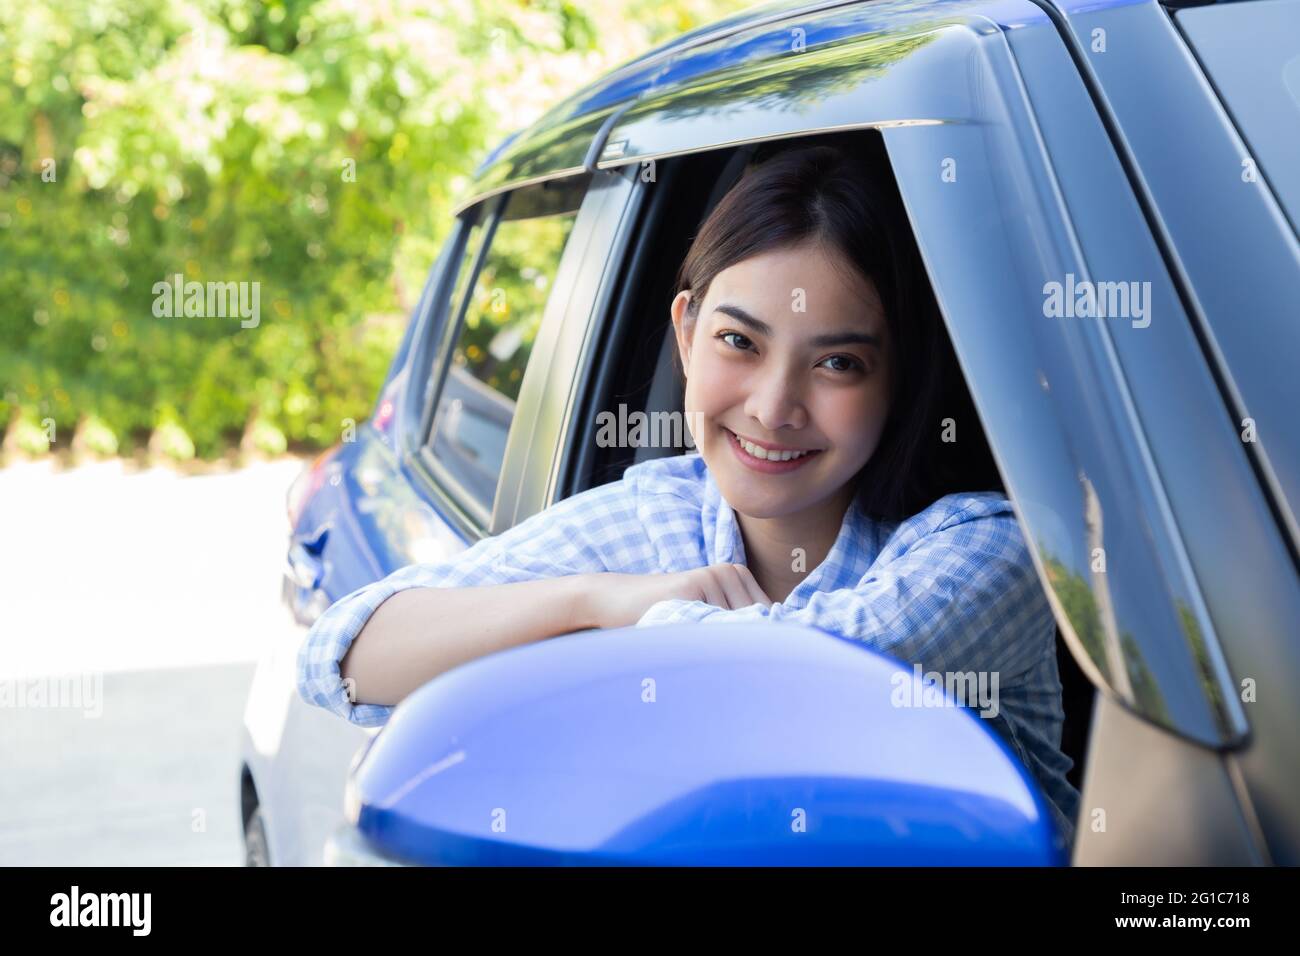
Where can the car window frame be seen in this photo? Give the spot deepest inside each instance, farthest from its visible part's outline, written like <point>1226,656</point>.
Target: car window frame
<point>452,491</point>
<point>439,316</point>
<point>534,454</point>
<point>455,502</point>
<point>618,314</point>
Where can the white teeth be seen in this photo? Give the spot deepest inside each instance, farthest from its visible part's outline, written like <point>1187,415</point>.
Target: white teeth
<point>766,455</point>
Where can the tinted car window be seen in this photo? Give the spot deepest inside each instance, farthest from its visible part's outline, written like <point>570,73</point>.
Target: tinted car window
<point>492,342</point>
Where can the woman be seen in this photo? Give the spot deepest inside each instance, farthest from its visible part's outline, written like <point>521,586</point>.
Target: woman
<point>840,481</point>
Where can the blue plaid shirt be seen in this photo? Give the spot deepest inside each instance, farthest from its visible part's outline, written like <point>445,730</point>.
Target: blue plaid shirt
<point>951,589</point>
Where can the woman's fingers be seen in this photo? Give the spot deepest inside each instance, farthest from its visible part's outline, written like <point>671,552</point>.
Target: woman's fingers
<point>730,586</point>
<point>713,592</point>
<point>733,586</point>
<point>756,595</point>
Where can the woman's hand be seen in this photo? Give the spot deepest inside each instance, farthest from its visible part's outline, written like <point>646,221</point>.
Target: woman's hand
<point>619,600</point>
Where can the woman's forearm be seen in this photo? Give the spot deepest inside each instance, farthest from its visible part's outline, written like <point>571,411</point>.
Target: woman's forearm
<point>420,633</point>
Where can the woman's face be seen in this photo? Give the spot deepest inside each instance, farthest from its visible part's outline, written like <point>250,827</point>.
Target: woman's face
<point>789,351</point>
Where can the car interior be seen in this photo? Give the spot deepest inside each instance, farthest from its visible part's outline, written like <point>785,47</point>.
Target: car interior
<point>642,375</point>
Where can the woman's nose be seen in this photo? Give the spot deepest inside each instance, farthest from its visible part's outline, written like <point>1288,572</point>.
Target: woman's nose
<point>776,401</point>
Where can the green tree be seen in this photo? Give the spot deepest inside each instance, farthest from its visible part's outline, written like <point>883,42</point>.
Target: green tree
<point>314,147</point>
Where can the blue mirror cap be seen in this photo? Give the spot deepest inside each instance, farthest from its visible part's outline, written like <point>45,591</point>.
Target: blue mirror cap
<point>722,744</point>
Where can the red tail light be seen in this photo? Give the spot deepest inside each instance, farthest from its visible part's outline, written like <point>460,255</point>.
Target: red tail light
<point>305,486</point>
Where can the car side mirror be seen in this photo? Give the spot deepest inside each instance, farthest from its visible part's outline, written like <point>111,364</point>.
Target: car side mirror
<point>702,744</point>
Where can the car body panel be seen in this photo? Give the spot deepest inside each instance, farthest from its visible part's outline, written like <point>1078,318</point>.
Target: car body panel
<point>1159,100</point>
<point>1153,796</point>
<point>1238,265</point>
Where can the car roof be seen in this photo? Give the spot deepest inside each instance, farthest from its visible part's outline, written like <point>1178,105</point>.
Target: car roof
<point>584,116</point>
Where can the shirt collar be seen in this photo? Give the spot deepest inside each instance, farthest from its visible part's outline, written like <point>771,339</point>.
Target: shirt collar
<point>723,543</point>
<point>847,562</point>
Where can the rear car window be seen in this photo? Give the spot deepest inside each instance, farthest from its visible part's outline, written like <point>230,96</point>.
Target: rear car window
<point>493,341</point>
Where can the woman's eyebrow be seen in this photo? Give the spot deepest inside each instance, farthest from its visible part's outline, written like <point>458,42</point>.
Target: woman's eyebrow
<point>821,341</point>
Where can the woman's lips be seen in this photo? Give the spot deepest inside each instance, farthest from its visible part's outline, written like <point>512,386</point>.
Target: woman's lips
<point>765,465</point>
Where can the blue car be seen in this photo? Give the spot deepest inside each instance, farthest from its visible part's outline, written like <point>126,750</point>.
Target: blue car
<point>1106,195</point>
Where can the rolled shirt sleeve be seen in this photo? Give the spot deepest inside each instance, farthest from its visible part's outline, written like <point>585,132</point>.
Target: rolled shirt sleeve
<point>586,533</point>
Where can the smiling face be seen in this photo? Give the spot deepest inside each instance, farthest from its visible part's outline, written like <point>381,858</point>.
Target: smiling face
<point>788,351</point>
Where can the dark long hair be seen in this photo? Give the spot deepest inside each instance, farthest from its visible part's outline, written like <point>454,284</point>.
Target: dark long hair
<point>849,200</point>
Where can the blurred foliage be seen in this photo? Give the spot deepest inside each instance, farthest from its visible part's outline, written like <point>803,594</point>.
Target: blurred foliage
<point>315,147</point>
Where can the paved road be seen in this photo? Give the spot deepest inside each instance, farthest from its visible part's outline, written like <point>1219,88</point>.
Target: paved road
<point>148,595</point>
<point>152,781</point>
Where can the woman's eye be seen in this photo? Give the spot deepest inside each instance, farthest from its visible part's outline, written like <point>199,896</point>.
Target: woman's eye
<point>849,364</point>
<point>743,343</point>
